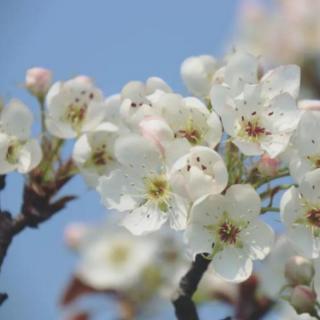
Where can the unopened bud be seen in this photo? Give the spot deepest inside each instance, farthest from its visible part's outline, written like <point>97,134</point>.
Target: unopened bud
<point>74,233</point>
<point>268,166</point>
<point>38,81</point>
<point>299,270</point>
<point>303,299</point>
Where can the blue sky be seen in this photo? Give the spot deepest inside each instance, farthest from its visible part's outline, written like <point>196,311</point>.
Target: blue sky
<point>113,42</point>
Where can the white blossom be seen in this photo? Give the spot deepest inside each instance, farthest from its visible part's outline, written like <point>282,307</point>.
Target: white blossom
<point>73,107</point>
<point>93,152</point>
<point>143,188</point>
<point>228,227</point>
<point>17,150</point>
<point>306,143</point>
<point>300,213</point>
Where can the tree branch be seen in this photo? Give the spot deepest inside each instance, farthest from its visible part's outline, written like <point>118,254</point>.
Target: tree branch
<point>185,308</point>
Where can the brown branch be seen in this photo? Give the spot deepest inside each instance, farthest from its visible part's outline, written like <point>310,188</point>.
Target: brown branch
<point>185,308</point>
<point>38,205</point>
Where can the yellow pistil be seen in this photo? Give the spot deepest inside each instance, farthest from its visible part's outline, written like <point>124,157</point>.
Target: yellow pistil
<point>158,191</point>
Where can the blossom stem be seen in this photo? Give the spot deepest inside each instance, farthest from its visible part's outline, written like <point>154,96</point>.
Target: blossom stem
<point>185,308</point>
<point>269,209</point>
<point>281,174</point>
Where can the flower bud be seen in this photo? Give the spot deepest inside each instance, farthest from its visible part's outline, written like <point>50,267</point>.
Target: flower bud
<point>303,299</point>
<point>309,105</point>
<point>156,130</point>
<point>268,166</point>
<point>38,81</point>
<point>74,233</point>
<point>299,270</point>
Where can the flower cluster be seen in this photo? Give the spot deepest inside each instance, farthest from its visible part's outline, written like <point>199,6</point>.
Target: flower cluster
<point>163,160</point>
<point>198,167</point>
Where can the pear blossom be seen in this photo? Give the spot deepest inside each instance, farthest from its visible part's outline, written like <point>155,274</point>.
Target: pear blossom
<point>143,188</point>
<point>112,258</point>
<point>200,172</point>
<point>300,213</point>
<point>229,229</point>
<point>241,68</point>
<point>137,99</point>
<point>197,74</point>
<point>18,151</point>
<point>306,143</point>
<point>73,107</point>
<point>93,152</point>
<point>186,122</point>
<point>258,124</point>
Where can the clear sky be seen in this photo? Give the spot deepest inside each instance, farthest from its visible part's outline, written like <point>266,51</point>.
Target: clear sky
<point>113,41</point>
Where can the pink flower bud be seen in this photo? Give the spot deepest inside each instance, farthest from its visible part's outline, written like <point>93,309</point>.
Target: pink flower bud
<point>268,166</point>
<point>74,233</point>
<point>156,130</point>
<point>303,299</point>
<point>309,105</point>
<point>38,81</point>
<point>299,270</point>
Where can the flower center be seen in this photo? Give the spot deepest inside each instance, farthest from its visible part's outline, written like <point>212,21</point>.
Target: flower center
<point>76,114</point>
<point>119,254</point>
<point>192,135</point>
<point>313,217</point>
<point>158,190</point>
<point>253,129</point>
<point>228,232</point>
<point>13,151</point>
<point>315,160</point>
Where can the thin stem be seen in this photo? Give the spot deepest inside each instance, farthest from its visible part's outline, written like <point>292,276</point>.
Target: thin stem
<point>281,174</point>
<point>269,209</point>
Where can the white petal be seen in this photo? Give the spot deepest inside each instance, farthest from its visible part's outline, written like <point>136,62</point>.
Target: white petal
<point>220,98</point>
<point>59,129</point>
<point>196,73</point>
<point>307,138</point>
<point>310,186</point>
<point>242,202</point>
<point>283,113</point>
<point>116,191</point>
<point>207,210</point>
<point>284,79</point>
<point>16,119</point>
<point>178,212</point>
<point>144,219</point>
<point>258,238</point>
<point>154,83</point>
<point>305,242</point>
<point>82,150</point>
<point>137,152</point>
<point>94,116</point>
<point>199,239</point>
<point>241,66</point>
<point>232,264</point>
<point>214,133</point>
<point>290,207</point>
<point>30,156</point>
<point>248,148</point>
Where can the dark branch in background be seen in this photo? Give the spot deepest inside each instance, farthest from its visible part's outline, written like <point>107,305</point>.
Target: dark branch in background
<point>38,205</point>
<point>185,308</point>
